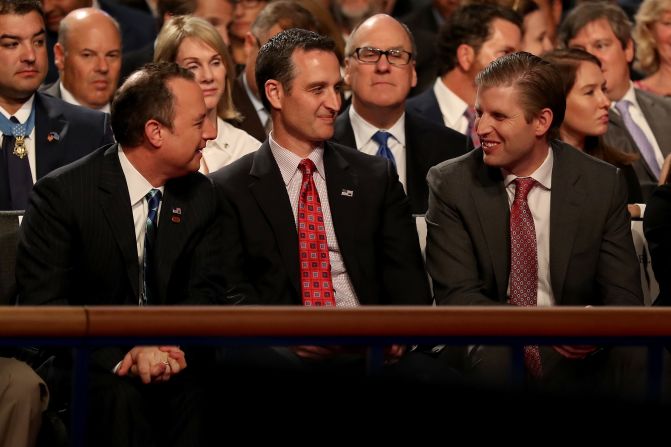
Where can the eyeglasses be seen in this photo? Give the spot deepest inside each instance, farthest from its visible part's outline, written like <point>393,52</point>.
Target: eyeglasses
<point>246,3</point>
<point>368,55</point>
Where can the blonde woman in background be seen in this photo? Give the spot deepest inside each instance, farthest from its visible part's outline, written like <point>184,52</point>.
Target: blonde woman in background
<point>195,44</point>
<point>652,34</point>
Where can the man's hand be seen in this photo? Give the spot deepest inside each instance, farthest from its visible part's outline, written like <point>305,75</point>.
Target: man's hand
<point>575,352</point>
<point>152,363</point>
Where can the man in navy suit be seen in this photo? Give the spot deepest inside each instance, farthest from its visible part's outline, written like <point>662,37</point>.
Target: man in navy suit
<point>365,249</point>
<point>380,69</point>
<point>134,224</point>
<point>49,133</point>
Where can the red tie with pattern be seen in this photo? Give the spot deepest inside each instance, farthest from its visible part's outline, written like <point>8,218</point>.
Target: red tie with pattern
<point>524,263</point>
<point>313,249</point>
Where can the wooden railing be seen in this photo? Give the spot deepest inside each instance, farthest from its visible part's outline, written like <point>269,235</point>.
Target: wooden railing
<point>83,327</point>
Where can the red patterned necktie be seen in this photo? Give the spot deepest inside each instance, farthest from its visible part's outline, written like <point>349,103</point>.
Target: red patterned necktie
<point>524,263</point>
<point>313,250</point>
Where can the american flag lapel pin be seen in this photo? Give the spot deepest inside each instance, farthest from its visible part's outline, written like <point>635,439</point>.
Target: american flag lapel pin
<point>53,136</point>
<point>176,215</point>
<point>347,193</point>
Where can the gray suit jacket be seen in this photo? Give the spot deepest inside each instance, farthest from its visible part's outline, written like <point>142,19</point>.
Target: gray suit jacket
<point>592,258</point>
<point>657,111</point>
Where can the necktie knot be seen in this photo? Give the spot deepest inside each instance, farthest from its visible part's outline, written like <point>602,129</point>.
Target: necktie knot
<point>622,106</point>
<point>469,113</point>
<point>522,187</point>
<point>153,200</point>
<point>14,120</point>
<point>307,166</point>
<point>381,137</point>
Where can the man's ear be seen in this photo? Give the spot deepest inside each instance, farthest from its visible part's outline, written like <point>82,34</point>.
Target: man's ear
<point>465,56</point>
<point>59,57</point>
<point>629,51</point>
<point>543,122</point>
<point>274,93</point>
<point>154,133</point>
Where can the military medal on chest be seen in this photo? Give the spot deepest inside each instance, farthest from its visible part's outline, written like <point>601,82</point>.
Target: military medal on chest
<point>20,149</point>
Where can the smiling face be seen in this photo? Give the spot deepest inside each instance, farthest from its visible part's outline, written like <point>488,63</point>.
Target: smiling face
<point>586,106</point>
<point>598,38</point>
<point>508,140</point>
<point>23,58</point>
<point>381,84</point>
<point>208,67</point>
<point>303,115</point>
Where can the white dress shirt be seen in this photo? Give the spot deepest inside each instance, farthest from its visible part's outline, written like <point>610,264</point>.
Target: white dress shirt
<point>231,143</point>
<point>363,135</point>
<point>638,117</point>
<point>138,187</point>
<point>451,107</point>
<point>539,205</point>
<point>70,99</point>
<point>288,162</point>
<point>22,115</point>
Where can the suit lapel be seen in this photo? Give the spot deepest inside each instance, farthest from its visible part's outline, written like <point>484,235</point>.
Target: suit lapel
<point>48,122</point>
<point>269,191</point>
<point>341,181</point>
<point>343,132</point>
<point>417,190</point>
<point>491,204</point>
<point>114,202</point>
<point>565,204</point>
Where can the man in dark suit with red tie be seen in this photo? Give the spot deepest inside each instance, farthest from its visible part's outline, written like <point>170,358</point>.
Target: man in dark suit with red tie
<point>320,224</point>
<point>527,220</point>
<point>134,224</point>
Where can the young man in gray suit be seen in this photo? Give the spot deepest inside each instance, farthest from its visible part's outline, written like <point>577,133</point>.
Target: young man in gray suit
<point>530,221</point>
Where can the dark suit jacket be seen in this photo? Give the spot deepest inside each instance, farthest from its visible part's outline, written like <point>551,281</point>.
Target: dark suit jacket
<point>657,227</point>
<point>592,258</point>
<point>77,244</point>
<point>134,60</point>
<point>251,122</point>
<point>426,145</point>
<point>65,133</point>
<point>376,235</point>
<point>656,110</point>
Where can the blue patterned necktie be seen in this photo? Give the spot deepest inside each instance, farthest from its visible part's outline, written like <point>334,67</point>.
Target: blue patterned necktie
<point>153,198</point>
<point>644,145</point>
<point>381,137</point>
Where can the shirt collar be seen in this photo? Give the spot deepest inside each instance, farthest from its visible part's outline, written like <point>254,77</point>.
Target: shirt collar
<point>288,162</point>
<point>630,96</point>
<point>364,131</point>
<point>70,99</point>
<point>24,111</point>
<point>455,105</point>
<point>138,186</point>
<point>542,175</point>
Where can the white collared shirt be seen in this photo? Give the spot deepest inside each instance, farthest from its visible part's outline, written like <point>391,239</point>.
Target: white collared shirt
<point>231,143</point>
<point>288,162</point>
<point>363,135</point>
<point>638,117</point>
<point>138,187</point>
<point>451,107</point>
<point>70,99</point>
<point>22,115</point>
<point>539,205</point>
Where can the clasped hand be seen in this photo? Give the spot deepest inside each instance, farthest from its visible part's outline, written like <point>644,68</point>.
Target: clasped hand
<point>152,363</point>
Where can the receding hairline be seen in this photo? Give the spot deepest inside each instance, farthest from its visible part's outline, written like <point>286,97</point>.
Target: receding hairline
<point>349,46</point>
<point>83,17</point>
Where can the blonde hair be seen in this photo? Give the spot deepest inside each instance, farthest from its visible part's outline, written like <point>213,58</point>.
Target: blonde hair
<point>647,54</point>
<point>171,37</point>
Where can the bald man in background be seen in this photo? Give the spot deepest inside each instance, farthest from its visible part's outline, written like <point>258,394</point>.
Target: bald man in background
<point>88,58</point>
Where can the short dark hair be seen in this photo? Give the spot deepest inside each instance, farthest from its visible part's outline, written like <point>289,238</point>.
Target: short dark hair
<point>20,7</point>
<point>274,59</point>
<point>469,25</point>
<point>587,12</point>
<point>145,96</point>
<point>285,14</point>
<point>537,81</point>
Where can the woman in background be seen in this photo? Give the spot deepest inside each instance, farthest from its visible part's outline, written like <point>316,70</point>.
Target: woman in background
<point>586,119</point>
<point>195,44</point>
<point>652,34</point>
